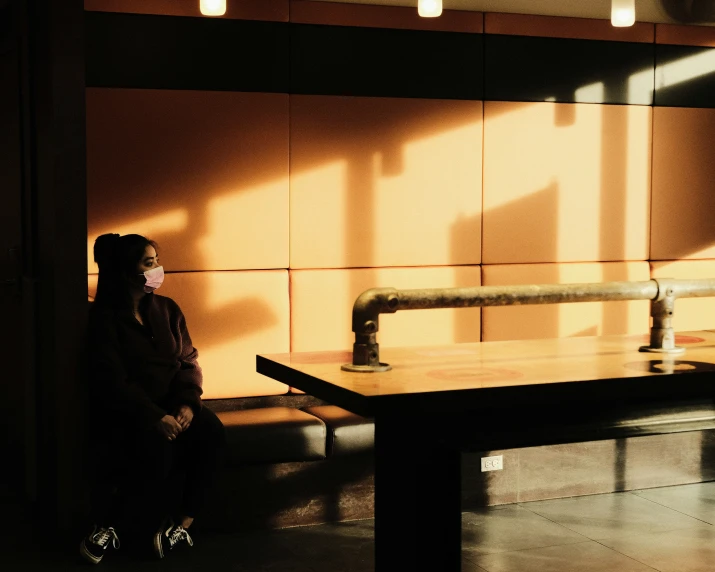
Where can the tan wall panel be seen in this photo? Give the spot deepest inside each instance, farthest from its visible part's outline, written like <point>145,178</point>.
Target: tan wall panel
<point>685,35</point>
<point>232,316</point>
<point>339,14</point>
<point>385,182</point>
<point>566,182</point>
<point>203,173</point>
<point>555,27</point>
<point>91,287</point>
<point>322,302</point>
<point>690,313</point>
<point>683,197</point>
<point>269,10</point>
<point>565,320</point>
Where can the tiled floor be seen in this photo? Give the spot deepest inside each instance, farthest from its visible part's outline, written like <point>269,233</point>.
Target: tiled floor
<point>668,529</point>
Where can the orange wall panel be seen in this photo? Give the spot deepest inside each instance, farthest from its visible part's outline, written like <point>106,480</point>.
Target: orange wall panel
<point>685,35</point>
<point>565,320</point>
<point>683,197</point>
<point>232,316</point>
<point>556,27</point>
<point>340,14</point>
<point>566,182</point>
<point>690,313</point>
<point>384,182</point>
<point>322,302</point>
<point>203,173</point>
<point>269,10</point>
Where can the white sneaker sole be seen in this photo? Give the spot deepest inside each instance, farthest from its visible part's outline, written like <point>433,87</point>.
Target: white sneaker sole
<point>87,555</point>
<point>157,545</point>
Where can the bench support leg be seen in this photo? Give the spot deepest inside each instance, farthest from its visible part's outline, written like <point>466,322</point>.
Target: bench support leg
<point>417,500</point>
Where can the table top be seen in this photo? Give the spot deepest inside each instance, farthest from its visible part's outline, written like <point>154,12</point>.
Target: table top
<point>490,367</point>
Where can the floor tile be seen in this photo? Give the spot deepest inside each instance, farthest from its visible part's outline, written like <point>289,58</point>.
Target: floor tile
<point>266,552</point>
<point>347,546</point>
<point>511,528</point>
<point>696,500</point>
<point>687,550</point>
<point>469,566</point>
<point>586,556</point>
<point>611,515</point>
<point>637,532</point>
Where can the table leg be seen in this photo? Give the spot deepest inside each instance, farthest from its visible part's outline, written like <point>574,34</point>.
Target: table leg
<point>417,500</point>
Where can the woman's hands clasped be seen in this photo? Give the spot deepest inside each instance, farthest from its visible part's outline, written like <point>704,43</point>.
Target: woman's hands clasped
<point>184,415</point>
<point>171,425</point>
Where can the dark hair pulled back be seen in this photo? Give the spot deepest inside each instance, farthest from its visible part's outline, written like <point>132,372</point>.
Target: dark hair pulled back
<point>117,257</point>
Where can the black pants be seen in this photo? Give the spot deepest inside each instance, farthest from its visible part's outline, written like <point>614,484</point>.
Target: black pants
<point>141,477</point>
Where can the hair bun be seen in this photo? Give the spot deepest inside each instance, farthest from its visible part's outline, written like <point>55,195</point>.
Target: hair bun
<point>105,249</point>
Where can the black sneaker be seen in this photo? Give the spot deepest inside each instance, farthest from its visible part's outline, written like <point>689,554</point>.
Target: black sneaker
<point>169,537</point>
<point>93,545</point>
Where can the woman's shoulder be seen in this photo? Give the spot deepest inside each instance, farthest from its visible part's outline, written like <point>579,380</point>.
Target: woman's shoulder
<point>164,302</point>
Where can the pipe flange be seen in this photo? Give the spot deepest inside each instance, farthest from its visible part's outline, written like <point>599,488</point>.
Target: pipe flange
<point>672,351</point>
<point>366,368</point>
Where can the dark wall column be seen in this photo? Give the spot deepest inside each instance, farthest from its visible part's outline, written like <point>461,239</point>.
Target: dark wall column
<point>55,227</point>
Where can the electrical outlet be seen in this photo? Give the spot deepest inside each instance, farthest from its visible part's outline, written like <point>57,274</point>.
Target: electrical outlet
<point>495,463</point>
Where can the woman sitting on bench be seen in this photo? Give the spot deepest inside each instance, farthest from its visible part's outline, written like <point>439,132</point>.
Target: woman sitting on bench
<point>147,416</point>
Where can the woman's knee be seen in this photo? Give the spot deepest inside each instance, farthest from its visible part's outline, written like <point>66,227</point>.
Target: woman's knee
<point>211,427</point>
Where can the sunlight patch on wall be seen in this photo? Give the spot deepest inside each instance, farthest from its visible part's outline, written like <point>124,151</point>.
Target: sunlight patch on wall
<point>685,69</point>
<point>701,253</point>
<point>579,180</point>
<point>638,181</point>
<point>593,92</point>
<point>550,168</point>
<point>690,313</point>
<point>507,130</point>
<point>640,86</point>
<point>322,190</point>
<point>530,147</point>
<point>546,156</point>
<point>408,169</point>
<point>588,318</point>
<point>173,221</point>
<point>262,238</point>
<point>322,302</point>
<point>564,320</point>
<point>232,316</point>
<point>439,180</point>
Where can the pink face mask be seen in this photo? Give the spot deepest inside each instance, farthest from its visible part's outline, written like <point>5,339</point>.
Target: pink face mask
<point>154,279</point>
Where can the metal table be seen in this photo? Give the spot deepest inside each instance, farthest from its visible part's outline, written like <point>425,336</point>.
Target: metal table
<point>436,402</point>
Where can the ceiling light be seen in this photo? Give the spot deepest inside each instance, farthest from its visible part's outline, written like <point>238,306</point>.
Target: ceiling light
<point>429,8</point>
<point>213,7</point>
<point>623,13</point>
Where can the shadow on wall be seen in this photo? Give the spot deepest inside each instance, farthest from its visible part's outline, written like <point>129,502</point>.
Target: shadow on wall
<point>462,247</point>
<point>534,211</point>
<point>224,172</point>
<point>381,179</point>
<point>220,160</point>
<point>196,172</point>
<point>206,175</point>
<point>242,317</point>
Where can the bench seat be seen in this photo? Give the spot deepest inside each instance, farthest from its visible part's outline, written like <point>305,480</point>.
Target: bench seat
<point>347,433</point>
<point>295,460</point>
<point>273,435</point>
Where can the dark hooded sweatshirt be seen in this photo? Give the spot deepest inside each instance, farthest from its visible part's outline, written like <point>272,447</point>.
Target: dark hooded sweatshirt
<point>142,372</point>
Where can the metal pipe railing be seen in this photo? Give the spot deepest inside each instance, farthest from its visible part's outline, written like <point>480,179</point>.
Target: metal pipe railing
<point>662,292</point>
